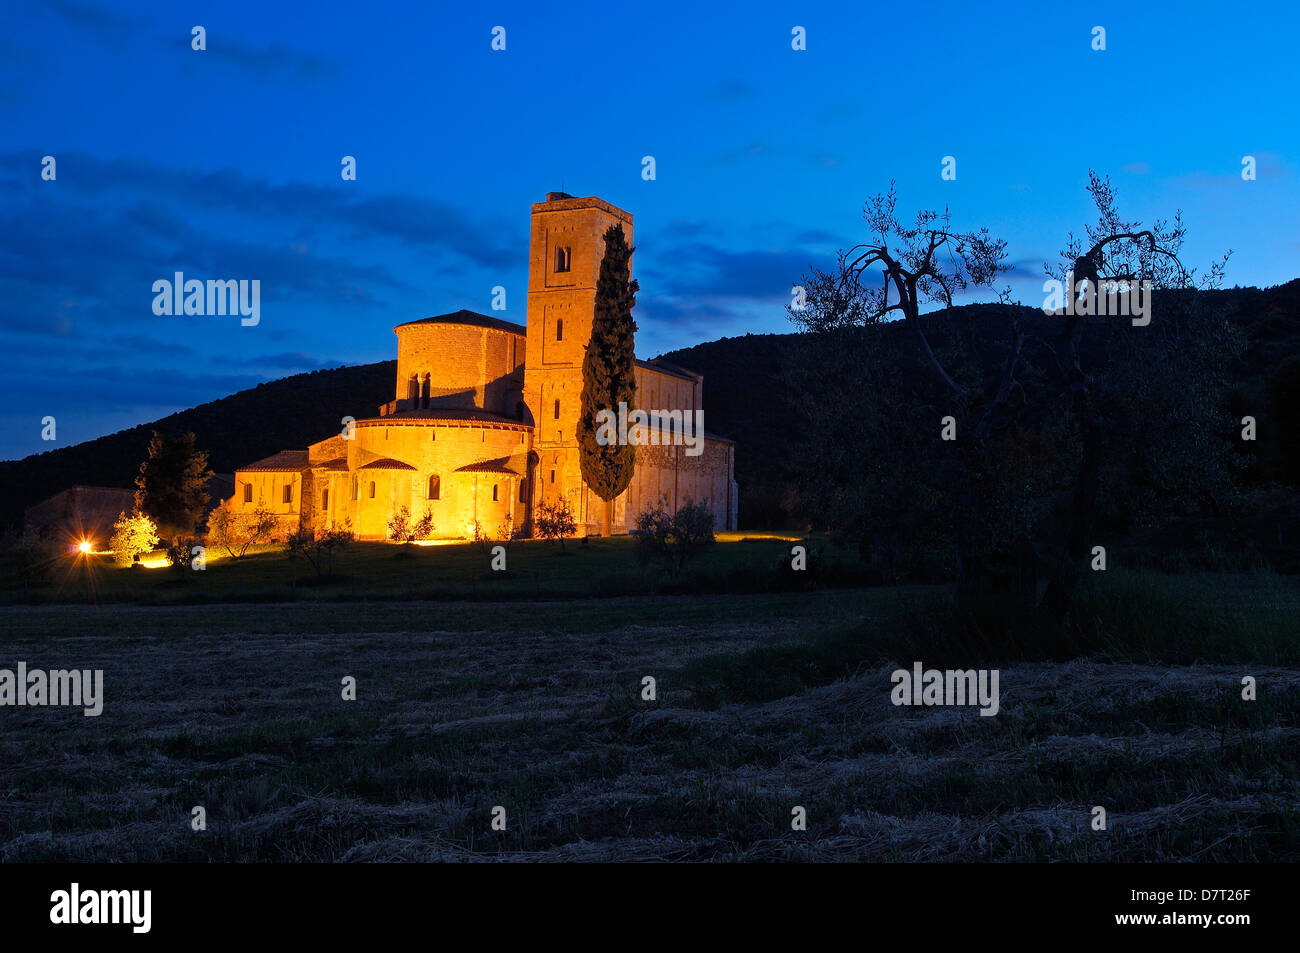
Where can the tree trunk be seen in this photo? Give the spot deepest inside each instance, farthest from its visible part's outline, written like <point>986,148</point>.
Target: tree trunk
<point>606,518</point>
<point>1079,528</point>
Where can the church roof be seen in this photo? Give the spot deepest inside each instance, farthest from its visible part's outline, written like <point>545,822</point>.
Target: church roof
<point>472,318</point>
<point>338,463</point>
<point>663,367</point>
<point>488,466</point>
<point>385,463</point>
<point>284,460</point>
<point>445,413</point>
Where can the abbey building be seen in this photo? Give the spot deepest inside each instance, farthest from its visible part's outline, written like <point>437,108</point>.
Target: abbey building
<point>482,425</point>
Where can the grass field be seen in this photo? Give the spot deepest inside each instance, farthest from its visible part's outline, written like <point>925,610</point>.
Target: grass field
<point>535,570</point>
<point>766,701</point>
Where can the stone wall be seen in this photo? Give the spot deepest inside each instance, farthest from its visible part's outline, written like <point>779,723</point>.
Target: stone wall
<point>431,448</point>
<point>469,367</point>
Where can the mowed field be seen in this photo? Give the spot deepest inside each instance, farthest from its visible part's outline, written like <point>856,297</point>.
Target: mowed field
<point>765,703</point>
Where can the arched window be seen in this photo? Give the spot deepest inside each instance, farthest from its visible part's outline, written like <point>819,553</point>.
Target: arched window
<point>552,476</point>
<point>557,408</point>
<point>559,329</point>
<point>413,390</point>
<point>372,489</point>
<point>324,499</point>
<point>428,390</point>
<point>563,259</point>
<point>523,491</point>
<point>435,487</point>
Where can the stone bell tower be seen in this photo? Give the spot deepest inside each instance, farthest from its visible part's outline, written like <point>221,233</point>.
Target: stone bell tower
<point>568,243</point>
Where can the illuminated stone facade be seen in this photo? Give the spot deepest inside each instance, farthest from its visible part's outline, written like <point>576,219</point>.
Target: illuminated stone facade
<point>482,425</point>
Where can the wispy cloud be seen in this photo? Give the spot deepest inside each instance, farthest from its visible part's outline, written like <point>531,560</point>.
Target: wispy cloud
<point>92,18</point>
<point>734,91</point>
<point>270,61</point>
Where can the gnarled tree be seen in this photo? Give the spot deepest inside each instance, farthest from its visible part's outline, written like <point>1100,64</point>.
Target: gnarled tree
<point>1017,484</point>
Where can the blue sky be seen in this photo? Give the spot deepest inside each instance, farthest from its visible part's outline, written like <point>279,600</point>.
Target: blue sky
<point>225,164</point>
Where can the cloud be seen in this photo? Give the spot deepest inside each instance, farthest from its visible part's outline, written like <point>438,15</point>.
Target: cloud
<point>701,290</point>
<point>411,220</point>
<point>1268,165</point>
<point>106,259</point>
<point>285,360</point>
<point>1137,168</point>
<point>1024,269</point>
<point>271,61</point>
<point>734,90</point>
<point>93,19</point>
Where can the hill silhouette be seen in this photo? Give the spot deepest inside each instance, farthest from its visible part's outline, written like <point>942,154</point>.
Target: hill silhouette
<point>284,414</point>
<point>746,398</point>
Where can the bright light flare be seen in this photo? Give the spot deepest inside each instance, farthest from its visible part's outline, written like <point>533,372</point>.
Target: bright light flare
<point>84,546</point>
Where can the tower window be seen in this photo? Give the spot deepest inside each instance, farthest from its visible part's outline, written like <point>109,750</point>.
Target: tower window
<point>552,476</point>
<point>324,499</point>
<point>559,329</point>
<point>248,493</point>
<point>557,409</point>
<point>372,489</point>
<point>563,259</point>
<point>494,492</point>
<point>435,487</point>
<point>523,491</point>
<point>413,390</point>
<point>288,493</point>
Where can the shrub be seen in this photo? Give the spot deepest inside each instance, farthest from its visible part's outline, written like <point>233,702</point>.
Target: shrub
<point>180,554</point>
<point>236,532</point>
<point>318,547</point>
<point>132,535</point>
<point>34,559</point>
<point>402,530</point>
<point>555,520</point>
<point>676,537</point>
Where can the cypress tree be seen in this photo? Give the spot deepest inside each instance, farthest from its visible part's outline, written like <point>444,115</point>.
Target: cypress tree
<point>609,374</point>
<point>172,486</point>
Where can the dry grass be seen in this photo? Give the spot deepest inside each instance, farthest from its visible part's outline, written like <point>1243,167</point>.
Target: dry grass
<point>538,709</point>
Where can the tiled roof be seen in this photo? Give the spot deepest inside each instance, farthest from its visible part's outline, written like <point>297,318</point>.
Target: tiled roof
<point>284,460</point>
<point>472,318</point>
<point>488,466</point>
<point>663,367</point>
<point>445,413</point>
<point>385,463</point>
<point>338,463</point>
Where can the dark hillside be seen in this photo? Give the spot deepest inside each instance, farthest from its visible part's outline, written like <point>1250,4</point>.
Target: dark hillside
<point>235,430</point>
